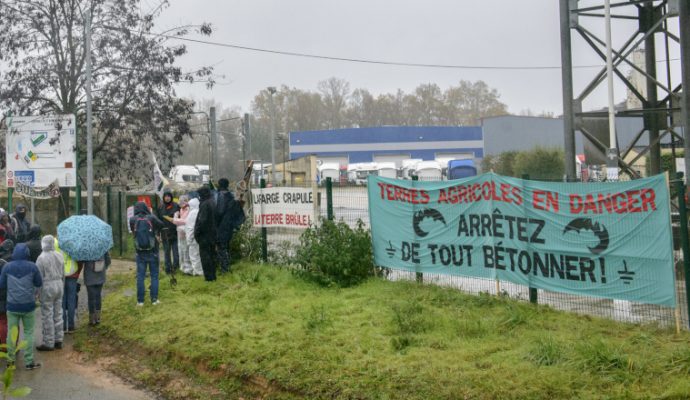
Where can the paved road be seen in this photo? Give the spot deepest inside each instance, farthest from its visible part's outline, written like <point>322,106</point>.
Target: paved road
<point>65,376</point>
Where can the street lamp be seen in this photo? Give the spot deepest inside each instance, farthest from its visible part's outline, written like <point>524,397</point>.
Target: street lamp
<point>271,92</point>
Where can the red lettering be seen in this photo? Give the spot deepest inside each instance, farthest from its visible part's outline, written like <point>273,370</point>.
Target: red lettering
<point>383,188</point>
<point>390,192</point>
<point>462,194</point>
<point>619,203</point>
<point>575,203</point>
<point>413,196</point>
<point>486,190</point>
<point>538,200</point>
<point>648,199</point>
<point>605,202</point>
<point>494,192</point>
<point>476,193</point>
<point>442,196</point>
<point>425,197</point>
<point>633,201</point>
<point>505,190</point>
<point>590,204</point>
<point>517,194</point>
<point>552,201</point>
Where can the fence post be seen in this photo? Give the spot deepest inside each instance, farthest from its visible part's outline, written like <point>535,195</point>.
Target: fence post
<point>680,189</point>
<point>329,199</point>
<point>107,204</point>
<point>119,220</point>
<point>418,275</point>
<point>533,298</point>
<point>77,198</point>
<point>264,232</point>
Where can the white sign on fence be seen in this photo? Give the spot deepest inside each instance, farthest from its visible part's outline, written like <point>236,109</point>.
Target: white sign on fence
<point>40,150</point>
<point>285,207</point>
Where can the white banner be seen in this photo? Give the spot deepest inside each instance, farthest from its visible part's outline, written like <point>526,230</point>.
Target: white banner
<point>159,181</point>
<point>50,192</point>
<point>285,207</point>
<point>40,150</point>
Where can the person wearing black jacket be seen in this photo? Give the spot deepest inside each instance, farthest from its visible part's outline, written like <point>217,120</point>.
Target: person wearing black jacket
<point>205,233</point>
<point>34,242</point>
<point>20,223</point>
<point>229,217</point>
<point>166,213</point>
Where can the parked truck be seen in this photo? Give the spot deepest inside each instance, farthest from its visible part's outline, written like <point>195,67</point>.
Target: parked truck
<point>458,169</point>
<point>387,170</point>
<point>428,171</point>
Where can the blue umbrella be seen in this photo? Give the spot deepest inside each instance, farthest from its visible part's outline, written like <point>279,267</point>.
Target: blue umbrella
<point>85,237</point>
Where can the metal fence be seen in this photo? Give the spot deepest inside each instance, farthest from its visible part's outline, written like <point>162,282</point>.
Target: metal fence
<point>350,204</point>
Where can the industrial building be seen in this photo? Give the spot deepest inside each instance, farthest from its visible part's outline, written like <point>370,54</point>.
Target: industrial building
<point>389,144</point>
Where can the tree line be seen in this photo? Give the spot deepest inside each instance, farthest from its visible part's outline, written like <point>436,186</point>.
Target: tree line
<point>333,105</point>
<point>136,109</point>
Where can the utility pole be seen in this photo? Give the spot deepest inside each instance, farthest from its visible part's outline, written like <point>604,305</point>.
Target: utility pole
<point>271,92</point>
<point>684,23</point>
<point>89,133</point>
<point>612,156</point>
<point>214,145</point>
<point>248,136</point>
<point>567,82</point>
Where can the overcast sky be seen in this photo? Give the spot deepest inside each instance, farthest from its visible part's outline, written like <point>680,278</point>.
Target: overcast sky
<point>499,33</point>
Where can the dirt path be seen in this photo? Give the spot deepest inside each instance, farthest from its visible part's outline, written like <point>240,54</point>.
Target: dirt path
<point>67,375</point>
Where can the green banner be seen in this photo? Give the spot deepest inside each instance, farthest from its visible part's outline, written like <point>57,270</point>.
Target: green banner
<point>610,240</point>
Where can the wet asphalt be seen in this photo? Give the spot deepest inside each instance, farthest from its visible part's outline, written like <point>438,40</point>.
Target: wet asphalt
<point>65,375</point>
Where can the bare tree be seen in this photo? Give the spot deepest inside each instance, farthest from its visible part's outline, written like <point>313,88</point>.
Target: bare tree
<point>334,93</point>
<point>42,47</point>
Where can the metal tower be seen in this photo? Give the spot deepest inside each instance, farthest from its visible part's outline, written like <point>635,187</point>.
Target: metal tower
<point>664,105</point>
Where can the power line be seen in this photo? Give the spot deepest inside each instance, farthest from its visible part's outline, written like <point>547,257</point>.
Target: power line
<point>348,59</point>
<point>362,60</point>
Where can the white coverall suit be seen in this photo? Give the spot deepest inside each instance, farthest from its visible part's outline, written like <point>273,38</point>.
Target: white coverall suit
<point>52,267</point>
<point>194,255</point>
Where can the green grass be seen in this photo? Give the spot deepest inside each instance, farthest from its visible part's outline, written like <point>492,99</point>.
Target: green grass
<point>394,340</point>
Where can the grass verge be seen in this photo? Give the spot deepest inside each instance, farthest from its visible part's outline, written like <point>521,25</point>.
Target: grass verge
<point>262,332</point>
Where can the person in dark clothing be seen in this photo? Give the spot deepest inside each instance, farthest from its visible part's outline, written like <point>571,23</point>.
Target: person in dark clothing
<point>94,279</point>
<point>21,278</point>
<point>166,213</point>
<point>6,231</point>
<point>34,242</point>
<point>229,217</point>
<point>20,224</point>
<point>205,233</point>
<point>147,256</point>
<point>6,249</point>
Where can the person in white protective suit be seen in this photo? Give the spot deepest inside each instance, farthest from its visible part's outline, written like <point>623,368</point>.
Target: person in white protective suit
<point>52,268</point>
<point>183,247</point>
<point>194,255</point>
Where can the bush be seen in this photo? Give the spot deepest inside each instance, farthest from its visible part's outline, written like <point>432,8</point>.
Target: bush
<point>246,243</point>
<point>335,254</point>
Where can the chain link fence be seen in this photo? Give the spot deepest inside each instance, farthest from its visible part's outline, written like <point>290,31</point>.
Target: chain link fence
<point>350,204</point>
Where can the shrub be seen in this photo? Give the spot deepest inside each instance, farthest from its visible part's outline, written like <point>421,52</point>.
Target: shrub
<point>246,242</point>
<point>335,254</point>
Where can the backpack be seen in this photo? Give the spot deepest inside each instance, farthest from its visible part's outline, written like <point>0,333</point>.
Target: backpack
<point>144,238</point>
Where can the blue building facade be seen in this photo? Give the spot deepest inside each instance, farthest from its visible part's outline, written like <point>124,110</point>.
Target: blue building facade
<point>358,145</point>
